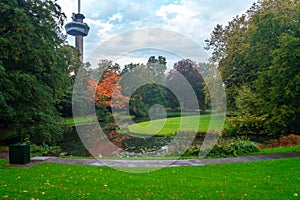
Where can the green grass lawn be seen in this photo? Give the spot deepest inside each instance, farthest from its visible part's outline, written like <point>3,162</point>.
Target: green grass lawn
<point>279,150</point>
<point>171,125</point>
<point>278,179</point>
<point>83,120</point>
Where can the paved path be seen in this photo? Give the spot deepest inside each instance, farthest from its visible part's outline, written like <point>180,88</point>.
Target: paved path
<point>163,163</point>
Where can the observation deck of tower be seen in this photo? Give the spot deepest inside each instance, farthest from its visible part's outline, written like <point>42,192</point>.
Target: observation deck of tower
<point>78,29</point>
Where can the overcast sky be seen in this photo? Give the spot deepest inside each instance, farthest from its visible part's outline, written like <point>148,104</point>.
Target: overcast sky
<point>194,19</point>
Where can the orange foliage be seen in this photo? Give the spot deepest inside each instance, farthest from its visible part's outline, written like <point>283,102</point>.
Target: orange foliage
<point>284,141</point>
<point>107,89</point>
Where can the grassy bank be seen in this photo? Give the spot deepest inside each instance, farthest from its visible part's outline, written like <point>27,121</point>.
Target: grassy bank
<point>171,125</point>
<point>278,179</point>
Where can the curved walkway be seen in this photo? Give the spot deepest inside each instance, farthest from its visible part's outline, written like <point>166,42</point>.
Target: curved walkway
<point>162,163</point>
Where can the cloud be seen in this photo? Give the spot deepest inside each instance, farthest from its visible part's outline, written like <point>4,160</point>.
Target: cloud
<point>138,45</point>
<point>193,18</point>
<point>197,19</point>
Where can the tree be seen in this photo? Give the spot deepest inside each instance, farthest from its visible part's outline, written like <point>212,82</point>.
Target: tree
<point>260,67</point>
<point>144,83</point>
<point>157,66</point>
<point>214,87</point>
<point>279,57</point>
<point>135,78</point>
<point>80,96</point>
<point>189,70</point>
<point>107,65</point>
<point>229,55</point>
<point>108,89</point>
<point>71,57</point>
<point>137,107</point>
<point>155,93</point>
<point>153,75</point>
<point>34,68</point>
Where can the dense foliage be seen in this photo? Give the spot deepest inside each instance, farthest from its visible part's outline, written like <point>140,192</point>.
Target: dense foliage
<point>35,69</point>
<point>107,89</point>
<point>189,70</point>
<point>258,55</point>
<point>150,79</point>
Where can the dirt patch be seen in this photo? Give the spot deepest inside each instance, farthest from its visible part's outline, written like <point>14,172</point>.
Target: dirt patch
<point>4,155</point>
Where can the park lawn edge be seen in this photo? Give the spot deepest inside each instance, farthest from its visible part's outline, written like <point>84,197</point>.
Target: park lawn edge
<point>272,179</point>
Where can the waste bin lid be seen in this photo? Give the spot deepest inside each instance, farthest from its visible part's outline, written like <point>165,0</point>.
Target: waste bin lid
<point>18,145</point>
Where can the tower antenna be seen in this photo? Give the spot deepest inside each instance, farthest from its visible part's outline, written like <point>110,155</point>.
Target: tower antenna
<point>79,6</point>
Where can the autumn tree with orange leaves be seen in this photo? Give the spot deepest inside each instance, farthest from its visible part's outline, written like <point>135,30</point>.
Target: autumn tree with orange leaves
<point>102,92</point>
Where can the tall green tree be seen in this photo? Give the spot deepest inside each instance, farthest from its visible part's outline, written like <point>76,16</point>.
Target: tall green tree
<point>149,78</point>
<point>157,66</point>
<point>189,70</point>
<point>214,87</point>
<point>229,54</point>
<point>258,59</point>
<point>35,68</point>
<point>281,63</point>
<point>155,93</point>
<point>70,57</point>
<point>134,79</point>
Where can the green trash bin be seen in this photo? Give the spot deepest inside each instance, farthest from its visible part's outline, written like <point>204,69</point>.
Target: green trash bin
<point>19,154</point>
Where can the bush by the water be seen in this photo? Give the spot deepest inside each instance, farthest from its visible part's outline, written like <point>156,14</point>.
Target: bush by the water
<point>172,146</point>
<point>226,147</point>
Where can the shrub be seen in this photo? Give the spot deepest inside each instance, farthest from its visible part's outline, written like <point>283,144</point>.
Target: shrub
<point>193,150</point>
<point>245,124</point>
<point>223,148</point>
<point>284,141</point>
<point>45,150</point>
<point>72,143</point>
<point>234,147</point>
<point>117,138</point>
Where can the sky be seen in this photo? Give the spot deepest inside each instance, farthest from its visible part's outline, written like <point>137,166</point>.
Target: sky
<point>135,29</point>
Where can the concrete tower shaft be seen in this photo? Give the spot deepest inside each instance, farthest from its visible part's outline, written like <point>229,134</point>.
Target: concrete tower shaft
<point>78,29</point>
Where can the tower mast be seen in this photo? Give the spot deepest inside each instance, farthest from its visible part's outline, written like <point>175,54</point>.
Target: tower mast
<point>78,29</point>
<point>78,6</point>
